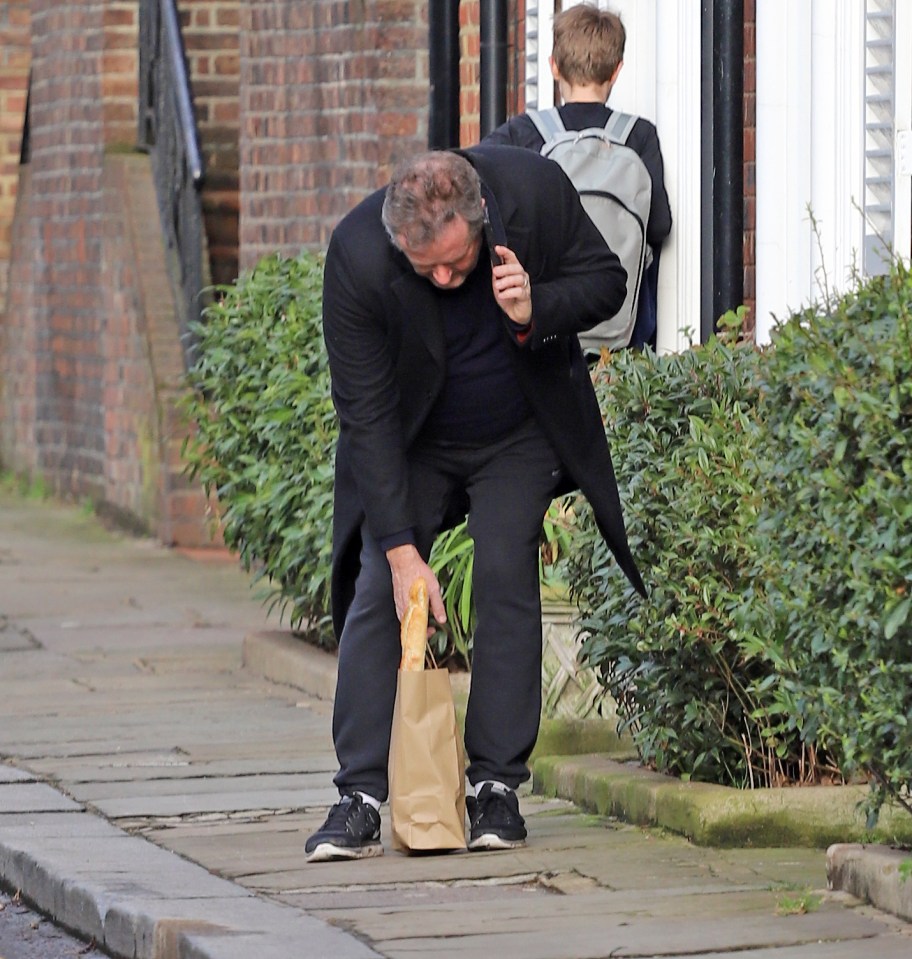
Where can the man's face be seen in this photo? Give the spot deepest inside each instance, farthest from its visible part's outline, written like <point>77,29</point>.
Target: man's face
<point>449,259</point>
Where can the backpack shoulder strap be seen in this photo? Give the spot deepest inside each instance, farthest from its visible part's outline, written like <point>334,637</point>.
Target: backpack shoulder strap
<point>547,122</point>
<point>619,126</point>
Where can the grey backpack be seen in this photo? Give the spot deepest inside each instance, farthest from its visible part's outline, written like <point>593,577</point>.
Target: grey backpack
<point>616,189</point>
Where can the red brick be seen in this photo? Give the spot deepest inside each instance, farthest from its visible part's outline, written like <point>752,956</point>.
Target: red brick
<point>119,15</point>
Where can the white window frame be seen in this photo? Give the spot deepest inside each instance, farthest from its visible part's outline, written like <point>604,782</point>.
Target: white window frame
<point>539,93</point>
<point>902,204</point>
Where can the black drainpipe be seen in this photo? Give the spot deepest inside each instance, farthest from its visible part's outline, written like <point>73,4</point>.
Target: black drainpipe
<point>443,55</point>
<point>493,17</point>
<point>723,161</point>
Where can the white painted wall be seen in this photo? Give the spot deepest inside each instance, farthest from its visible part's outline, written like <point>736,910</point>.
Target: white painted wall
<point>661,81</point>
<point>677,117</point>
<point>810,152</point>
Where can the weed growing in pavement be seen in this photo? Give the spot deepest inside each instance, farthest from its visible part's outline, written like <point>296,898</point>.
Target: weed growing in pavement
<point>799,904</point>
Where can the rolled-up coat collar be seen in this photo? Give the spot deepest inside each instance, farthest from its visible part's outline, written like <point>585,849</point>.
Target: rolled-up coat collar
<point>499,218</point>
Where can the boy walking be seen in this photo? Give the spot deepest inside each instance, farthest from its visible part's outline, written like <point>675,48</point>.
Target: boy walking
<point>587,57</point>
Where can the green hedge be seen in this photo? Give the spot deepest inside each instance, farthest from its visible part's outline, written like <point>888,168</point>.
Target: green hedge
<point>767,497</point>
<point>685,667</point>
<point>266,429</point>
<point>837,404</point>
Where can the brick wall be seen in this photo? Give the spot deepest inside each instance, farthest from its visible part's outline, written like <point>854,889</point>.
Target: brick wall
<point>332,95</point>
<point>91,364</point>
<point>15,58</point>
<point>23,340</point>
<point>120,65</point>
<point>143,366</point>
<point>469,72</point>
<point>67,147</point>
<point>210,30</point>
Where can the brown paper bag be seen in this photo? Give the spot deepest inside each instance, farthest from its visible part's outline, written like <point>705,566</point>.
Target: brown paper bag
<point>426,765</point>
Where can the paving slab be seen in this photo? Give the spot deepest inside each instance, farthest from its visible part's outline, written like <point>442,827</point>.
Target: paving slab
<point>174,765</point>
<point>13,640</point>
<point>193,804</point>
<point>10,774</point>
<point>158,793</point>
<point>888,947</point>
<point>566,937</point>
<point>200,785</point>
<point>34,797</point>
<point>52,826</point>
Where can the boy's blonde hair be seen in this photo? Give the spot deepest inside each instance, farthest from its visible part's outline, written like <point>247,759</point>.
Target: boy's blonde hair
<point>588,44</point>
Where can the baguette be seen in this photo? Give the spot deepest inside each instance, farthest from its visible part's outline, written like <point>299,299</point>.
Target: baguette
<point>413,629</point>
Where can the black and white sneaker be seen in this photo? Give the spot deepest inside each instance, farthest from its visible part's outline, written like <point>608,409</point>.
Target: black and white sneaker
<point>351,831</point>
<point>494,819</point>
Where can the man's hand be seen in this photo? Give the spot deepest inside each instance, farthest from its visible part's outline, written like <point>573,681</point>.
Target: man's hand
<point>406,565</point>
<point>512,288</point>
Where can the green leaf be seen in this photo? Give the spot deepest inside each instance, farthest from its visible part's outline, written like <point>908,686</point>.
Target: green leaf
<point>897,617</point>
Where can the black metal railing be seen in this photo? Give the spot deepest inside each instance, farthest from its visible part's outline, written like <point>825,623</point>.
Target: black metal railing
<point>167,129</point>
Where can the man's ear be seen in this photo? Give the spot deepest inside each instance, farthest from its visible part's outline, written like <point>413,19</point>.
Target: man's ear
<point>554,71</point>
<point>617,71</point>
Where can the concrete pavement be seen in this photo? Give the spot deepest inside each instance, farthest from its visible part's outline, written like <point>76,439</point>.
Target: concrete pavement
<point>155,795</point>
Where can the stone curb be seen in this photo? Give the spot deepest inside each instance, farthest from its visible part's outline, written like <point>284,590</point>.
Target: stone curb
<point>280,658</point>
<point>709,815</point>
<point>136,900</point>
<point>874,874</point>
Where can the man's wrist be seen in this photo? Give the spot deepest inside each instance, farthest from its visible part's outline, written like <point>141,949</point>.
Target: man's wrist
<point>407,552</point>
<point>522,332</point>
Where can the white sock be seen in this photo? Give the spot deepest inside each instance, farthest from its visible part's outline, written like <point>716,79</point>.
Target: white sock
<point>369,800</point>
<point>496,786</point>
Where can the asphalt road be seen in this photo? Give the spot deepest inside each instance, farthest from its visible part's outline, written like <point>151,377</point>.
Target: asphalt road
<point>26,935</point>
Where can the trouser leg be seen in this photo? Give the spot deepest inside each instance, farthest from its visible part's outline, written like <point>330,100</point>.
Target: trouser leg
<point>510,485</point>
<point>369,650</point>
<point>509,495</point>
<point>366,678</point>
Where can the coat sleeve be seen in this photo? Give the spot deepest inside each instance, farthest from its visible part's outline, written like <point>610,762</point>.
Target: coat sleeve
<point>364,388</point>
<point>518,131</point>
<point>577,281</point>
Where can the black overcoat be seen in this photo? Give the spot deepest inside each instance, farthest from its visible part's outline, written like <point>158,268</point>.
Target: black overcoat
<point>387,360</point>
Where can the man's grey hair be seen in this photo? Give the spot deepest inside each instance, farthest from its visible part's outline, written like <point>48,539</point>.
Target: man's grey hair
<point>426,193</point>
